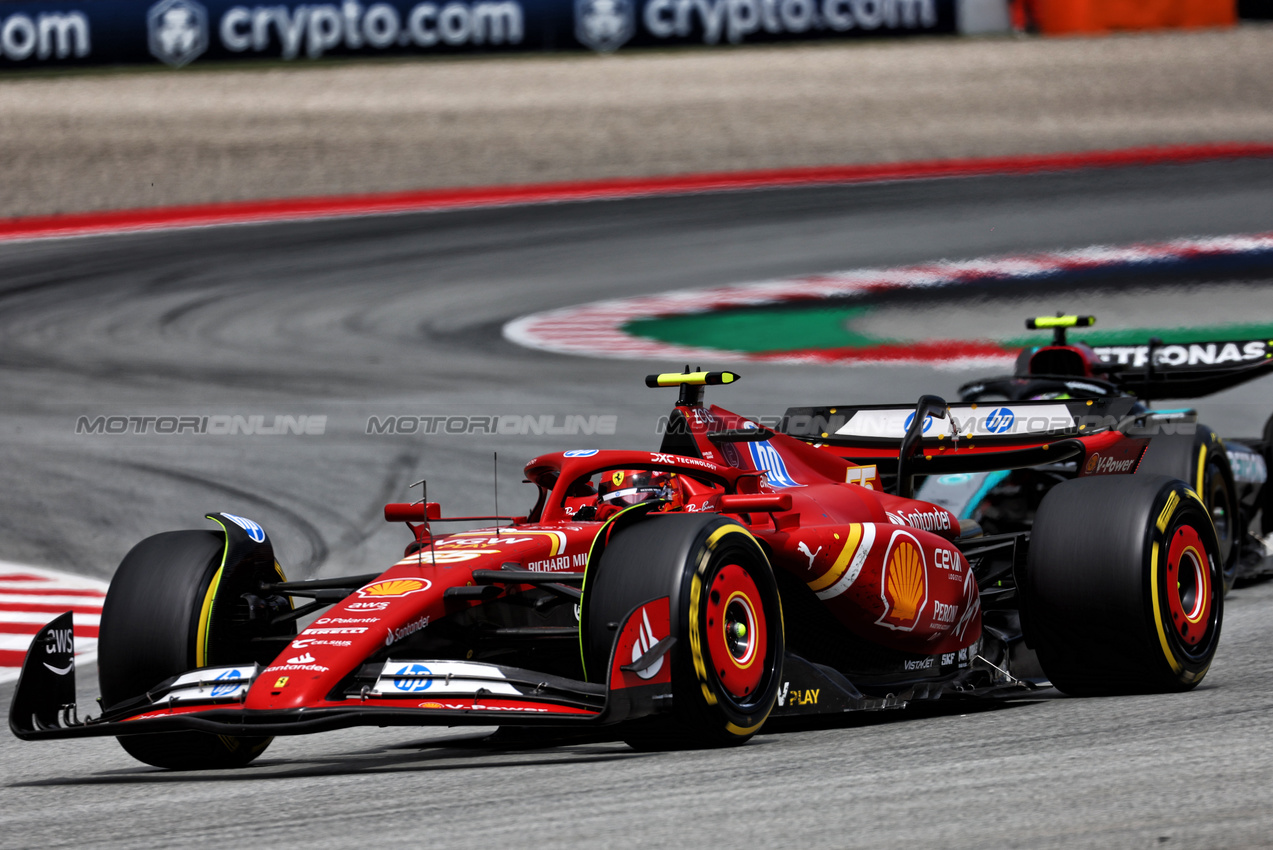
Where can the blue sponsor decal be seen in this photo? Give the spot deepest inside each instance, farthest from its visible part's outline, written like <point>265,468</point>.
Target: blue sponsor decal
<point>955,479</point>
<point>253,529</point>
<point>928,423</point>
<point>1000,420</point>
<point>413,685</point>
<point>766,457</point>
<point>227,689</point>
<point>580,453</point>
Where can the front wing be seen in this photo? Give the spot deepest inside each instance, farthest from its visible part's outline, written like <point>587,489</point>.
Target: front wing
<point>407,692</point>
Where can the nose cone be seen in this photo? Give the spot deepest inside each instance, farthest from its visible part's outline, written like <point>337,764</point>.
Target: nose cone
<point>339,642</point>
<point>298,678</point>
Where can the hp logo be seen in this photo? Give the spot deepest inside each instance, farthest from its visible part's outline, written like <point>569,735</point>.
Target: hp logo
<point>413,685</point>
<point>1000,420</point>
<point>226,690</point>
<point>928,423</point>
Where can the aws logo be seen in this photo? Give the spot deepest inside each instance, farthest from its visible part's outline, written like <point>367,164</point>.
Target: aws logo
<point>904,584</point>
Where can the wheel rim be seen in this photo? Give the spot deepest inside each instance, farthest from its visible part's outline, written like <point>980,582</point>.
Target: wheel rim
<point>737,631</point>
<point>1189,591</point>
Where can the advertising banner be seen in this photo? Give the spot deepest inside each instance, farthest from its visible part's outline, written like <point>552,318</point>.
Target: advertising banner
<point>178,32</point>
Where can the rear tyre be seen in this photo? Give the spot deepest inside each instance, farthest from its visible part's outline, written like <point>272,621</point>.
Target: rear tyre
<point>1199,459</point>
<point>150,631</point>
<point>726,617</point>
<point>1122,591</point>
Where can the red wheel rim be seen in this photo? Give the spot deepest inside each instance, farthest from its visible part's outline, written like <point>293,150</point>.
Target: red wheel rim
<point>737,636</point>
<point>1188,585</point>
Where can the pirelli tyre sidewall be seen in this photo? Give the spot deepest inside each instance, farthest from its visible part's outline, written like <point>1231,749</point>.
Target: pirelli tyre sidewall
<point>1186,585</point>
<point>723,559</point>
<point>716,575</point>
<point>1123,590</point>
<point>1199,459</point>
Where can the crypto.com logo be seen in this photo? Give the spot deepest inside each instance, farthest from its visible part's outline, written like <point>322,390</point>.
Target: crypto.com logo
<point>178,31</point>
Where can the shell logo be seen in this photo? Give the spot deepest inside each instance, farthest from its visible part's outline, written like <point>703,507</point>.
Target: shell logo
<point>904,587</point>
<point>395,587</point>
<point>1092,463</point>
<point>432,705</point>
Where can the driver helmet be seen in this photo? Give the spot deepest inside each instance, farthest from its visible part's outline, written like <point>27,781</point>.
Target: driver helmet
<point>625,487</point>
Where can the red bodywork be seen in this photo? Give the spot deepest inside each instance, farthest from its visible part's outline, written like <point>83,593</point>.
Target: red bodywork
<point>889,569</point>
<point>883,565</point>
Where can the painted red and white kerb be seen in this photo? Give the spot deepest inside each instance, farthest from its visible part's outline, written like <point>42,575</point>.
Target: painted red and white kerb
<point>597,329</point>
<point>31,597</point>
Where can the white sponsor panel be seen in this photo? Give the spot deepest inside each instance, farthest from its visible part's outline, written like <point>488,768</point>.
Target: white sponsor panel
<point>442,677</point>
<point>985,420</point>
<point>211,683</point>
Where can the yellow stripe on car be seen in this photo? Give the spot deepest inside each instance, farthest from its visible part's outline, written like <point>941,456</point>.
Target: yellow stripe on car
<point>841,563</point>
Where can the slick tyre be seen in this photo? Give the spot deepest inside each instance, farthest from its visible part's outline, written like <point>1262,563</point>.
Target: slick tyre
<point>1122,590</point>
<point>726,616</point>
<point>158,601</point>
<point>1199,459</point>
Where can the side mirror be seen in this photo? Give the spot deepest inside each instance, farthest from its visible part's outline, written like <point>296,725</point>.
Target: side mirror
<point>418,512</point>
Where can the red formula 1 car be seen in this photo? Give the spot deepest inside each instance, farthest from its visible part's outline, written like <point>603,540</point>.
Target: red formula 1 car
<point>684,596</point>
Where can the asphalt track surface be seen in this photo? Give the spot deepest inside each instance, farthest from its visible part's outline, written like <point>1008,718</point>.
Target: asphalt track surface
<point>401,315</point>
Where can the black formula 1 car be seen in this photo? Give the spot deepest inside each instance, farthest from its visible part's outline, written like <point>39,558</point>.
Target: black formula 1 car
<point>681,597</point>
<point>1231,474</point>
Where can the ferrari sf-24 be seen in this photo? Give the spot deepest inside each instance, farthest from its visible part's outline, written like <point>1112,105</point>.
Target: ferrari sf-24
<point>683,597</point>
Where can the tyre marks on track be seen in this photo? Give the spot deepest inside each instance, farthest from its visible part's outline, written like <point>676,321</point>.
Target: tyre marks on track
<point>32,596</point>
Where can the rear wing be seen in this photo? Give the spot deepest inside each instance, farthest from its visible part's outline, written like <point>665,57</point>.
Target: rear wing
<point>1011,424</point>
<point>1162,371</point>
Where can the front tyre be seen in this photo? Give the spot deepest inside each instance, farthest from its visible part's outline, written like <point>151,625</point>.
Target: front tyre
<point>158,621</point>
<point>726,617</point>
<point>1123,590</point>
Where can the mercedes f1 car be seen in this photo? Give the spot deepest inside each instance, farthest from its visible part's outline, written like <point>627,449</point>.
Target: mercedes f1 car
<point>1230,474</point>
<point>684,597</point>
